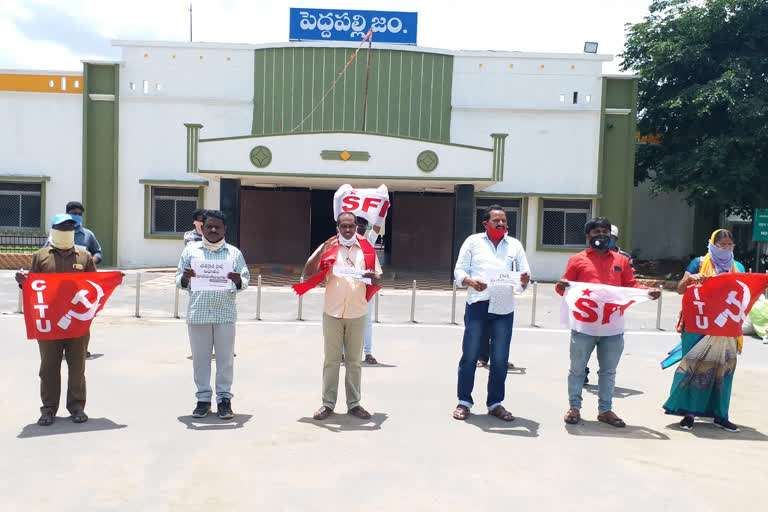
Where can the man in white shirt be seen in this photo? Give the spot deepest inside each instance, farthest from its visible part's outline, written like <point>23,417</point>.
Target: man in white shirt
<point>490,305</point>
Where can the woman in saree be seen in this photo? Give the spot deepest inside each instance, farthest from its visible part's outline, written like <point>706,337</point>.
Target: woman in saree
<point>703,379</point>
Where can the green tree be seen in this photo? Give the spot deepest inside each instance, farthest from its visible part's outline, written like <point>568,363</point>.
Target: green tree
<point>703,68</point>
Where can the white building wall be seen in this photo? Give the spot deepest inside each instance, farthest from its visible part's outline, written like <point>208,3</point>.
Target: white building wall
<point>42,134</point>
<point>662,226</point>
<point>211,91</point>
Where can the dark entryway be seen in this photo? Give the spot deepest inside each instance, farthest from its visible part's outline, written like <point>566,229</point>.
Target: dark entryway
<point>274,225</point>
<point>422,234</point>
<point>323,226</point>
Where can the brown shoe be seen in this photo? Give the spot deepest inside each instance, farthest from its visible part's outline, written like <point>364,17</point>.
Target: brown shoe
<point>500,412</point>
<point>572,416</point>
<point>369,359</point>
<point>610,418</point>
<point>461,412</point>
<point>322,413</point>
<point>359,412</point>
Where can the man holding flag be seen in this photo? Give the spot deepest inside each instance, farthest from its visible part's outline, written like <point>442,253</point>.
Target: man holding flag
<point>354,276</point>
<point>61,256</point>
<point>595,315</point>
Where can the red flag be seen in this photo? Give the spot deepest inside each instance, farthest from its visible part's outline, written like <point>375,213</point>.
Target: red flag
<point>719,305</point>
<point>61,306</point>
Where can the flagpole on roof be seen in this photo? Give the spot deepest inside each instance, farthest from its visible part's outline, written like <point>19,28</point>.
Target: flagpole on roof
<point>190,22</point>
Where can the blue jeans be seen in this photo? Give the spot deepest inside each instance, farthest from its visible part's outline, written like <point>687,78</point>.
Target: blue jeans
<point>476,319</point>
<point>609,349</point>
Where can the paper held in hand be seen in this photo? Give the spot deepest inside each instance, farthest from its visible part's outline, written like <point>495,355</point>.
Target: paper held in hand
<point>352,273</point>
<point>504,278</point>
<point>211,275</point>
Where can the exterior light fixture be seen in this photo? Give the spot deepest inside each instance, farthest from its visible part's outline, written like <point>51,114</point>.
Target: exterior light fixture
<point>590,47</point>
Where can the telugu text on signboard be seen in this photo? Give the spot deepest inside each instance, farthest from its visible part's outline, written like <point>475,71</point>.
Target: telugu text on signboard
<point>346,25</point>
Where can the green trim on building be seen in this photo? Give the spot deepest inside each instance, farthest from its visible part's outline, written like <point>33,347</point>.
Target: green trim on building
<point>345,176</point>
<point>409,93</point>
<point>337,154</point>
<point>17,178</point>
<point>331,132</point>
<point>193,139</point>
<point>148,184</point>
<point>498,155</point>
<point>100,155</point>
<point>524,221</point>
<point>537,194</point>
<point>43,209</point>
<point>617,155</point>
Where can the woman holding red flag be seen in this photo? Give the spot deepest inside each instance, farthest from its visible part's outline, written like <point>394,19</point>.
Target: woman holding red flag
<point>703,380</point>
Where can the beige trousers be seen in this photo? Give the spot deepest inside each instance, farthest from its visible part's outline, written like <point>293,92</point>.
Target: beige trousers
<point>349,333</point>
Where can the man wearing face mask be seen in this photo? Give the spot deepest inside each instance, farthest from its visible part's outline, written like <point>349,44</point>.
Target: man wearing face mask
<point>211,315</point>
<point>598,264</point>
<point>488,308</point>
<point>346,259</point>
<point>196,233</point>
<point>61,256</point>
<point>84,237</point>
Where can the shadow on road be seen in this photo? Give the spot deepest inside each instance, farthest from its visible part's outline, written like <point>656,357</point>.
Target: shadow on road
<point>598,429</point>
<point>520,427</point>
<point>348,423</point>
<point>94,356</point>
<point>517,370</point>
<point>617,391</point>
<point>213,422</point>
<point>379,365</point>
<point>64,425</point>
<point>709,431</point>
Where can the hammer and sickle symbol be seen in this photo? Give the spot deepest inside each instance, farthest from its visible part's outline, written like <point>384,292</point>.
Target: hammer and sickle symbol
<point>81,297</point>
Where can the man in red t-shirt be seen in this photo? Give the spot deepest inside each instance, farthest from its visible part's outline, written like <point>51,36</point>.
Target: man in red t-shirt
<point>598,264</point>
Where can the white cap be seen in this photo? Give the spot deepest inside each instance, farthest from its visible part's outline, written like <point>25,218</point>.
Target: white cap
<point>614,230</point>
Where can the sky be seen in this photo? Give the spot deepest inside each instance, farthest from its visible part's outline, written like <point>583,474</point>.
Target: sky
<point>58,34</point>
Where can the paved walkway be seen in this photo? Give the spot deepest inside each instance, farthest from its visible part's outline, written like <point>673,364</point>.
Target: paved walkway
<point>141,450</point>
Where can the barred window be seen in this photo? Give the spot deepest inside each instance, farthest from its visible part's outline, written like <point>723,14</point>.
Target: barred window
<point>563,222</point>
<point>171,209</point>
<point>20,206</point>
<point>512,207</point>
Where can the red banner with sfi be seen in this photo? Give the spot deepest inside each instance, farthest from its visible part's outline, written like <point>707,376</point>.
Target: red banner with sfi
<point>62,306</point>
<point>720,304</point>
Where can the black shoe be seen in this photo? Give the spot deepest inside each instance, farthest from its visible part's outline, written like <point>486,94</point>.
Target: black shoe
<point>727,425</point>
<point>686,423</point>
<point>87,355</point>
<point>224,409</point>
<point>586,375</point>
<point>46,419</point>
<point>202,410</point>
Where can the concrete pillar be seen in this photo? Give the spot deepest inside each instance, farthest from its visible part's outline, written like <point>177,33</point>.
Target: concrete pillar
<point>463,217</point>
<point>229,200</point>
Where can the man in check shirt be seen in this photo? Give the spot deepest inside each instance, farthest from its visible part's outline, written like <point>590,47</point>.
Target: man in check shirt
<point>344,315</point>
<point>598,264</point>
<point>488,307</point>
<point>211,315</point>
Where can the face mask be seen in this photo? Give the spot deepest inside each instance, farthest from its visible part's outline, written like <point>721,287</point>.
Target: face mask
<point>347,243</point>
<point>600,242</point>
<point>63,240</point>
<point>78,219</point>
<point>198,226</point>
<point>494,234</point>
<point>722,258</point>
<point>213,247</point>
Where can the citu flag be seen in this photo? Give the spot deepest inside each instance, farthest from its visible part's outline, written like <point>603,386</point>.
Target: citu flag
<point>598,309</point>
<point>62,306</point>
<point>719,305</point>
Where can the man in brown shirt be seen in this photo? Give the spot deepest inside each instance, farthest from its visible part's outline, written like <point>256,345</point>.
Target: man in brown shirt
<point>61,256</point>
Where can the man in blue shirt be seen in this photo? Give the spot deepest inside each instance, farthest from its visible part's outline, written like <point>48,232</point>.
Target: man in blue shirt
<point>84,237</point>
<point>195,234</point>
<point>490,305</point>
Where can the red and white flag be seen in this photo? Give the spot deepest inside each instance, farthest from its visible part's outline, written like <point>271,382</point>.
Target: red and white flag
<point>62,306</point>
<point>370,203</point>
<point>718,306</point>
<point>598,309</point>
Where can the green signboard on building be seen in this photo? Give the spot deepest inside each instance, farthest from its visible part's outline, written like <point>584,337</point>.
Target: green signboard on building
<point>760,226</point>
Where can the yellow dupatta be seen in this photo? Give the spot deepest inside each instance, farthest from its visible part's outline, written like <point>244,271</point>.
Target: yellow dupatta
<point>708,269</point>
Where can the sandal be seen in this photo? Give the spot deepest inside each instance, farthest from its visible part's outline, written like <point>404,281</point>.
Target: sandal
<point>322,413</point>
<point>46,419</point>
<point>573,416</point>
<point>482,364</point>
<point>610,418</point>
<point>369,359</point>
<point>79,416</point>
<point>461,412</point>
<point>500,412</point>
<point>358,412</point>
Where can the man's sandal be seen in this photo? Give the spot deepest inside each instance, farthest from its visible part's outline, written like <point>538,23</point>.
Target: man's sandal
<point>46,419</point>
<point>500,412</point>
<point>611,419</point>
<point>573,416</point>
<point>461,412</point>
<point>322,413</point>
<point>79,416</point>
